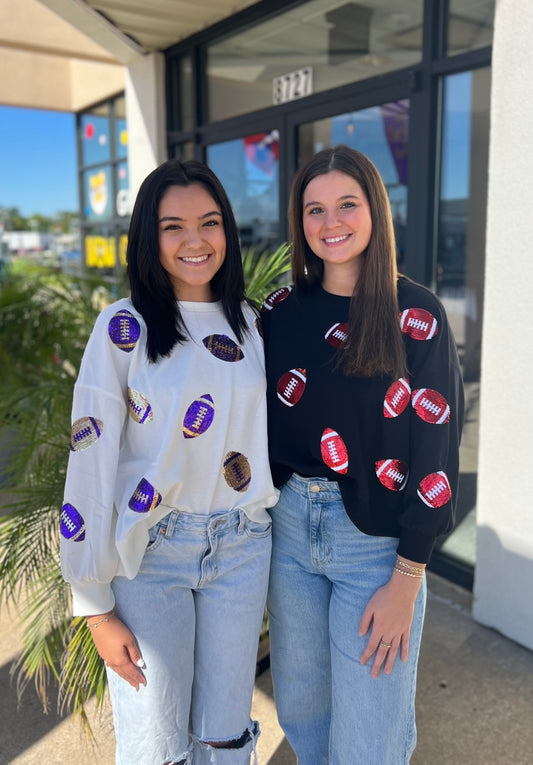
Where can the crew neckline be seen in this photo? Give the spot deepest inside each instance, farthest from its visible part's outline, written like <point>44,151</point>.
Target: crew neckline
<point>332,298</point>
<point>199,306</point>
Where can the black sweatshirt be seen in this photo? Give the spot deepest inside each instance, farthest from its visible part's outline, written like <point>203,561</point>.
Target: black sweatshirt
<point>392,445</point>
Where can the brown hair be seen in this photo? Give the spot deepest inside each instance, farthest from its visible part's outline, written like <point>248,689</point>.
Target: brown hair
<point>375,346</point>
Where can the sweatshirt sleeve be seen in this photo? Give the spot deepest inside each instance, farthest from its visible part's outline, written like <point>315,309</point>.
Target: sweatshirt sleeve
<point>436,412</point>
<point>89,556</point>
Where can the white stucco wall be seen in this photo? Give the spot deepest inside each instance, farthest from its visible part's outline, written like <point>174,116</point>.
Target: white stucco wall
<point>146,117</point>
<point>503,591</point>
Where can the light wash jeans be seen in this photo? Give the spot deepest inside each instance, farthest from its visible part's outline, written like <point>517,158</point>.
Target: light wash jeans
<point>323,573</point>
<point>195,608</point>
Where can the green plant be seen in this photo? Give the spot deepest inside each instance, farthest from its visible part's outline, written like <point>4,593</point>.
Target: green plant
<point>45,320</point>
<point>262,271</point>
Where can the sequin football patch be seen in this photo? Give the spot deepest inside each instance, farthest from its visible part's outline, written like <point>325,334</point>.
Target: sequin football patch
<point>124,330</point>
<point>237,472</point>
<point>396,398</point>
<point>198,417</point>
<point>337,335</point>
<point>392,474</point>
<point>291,386</point>
<point>334,451</point>
<point>84,433</point>
<point>431,406</point>
<point>278,296</point>
<point>434,490</point>
<point>223,347</point>
<point>418,324</point>
<point>72,524</point>
<point>145,498</point>
<point>139,407</point>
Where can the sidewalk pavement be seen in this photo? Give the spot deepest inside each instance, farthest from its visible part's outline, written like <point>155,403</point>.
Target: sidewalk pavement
<point>474,701</point>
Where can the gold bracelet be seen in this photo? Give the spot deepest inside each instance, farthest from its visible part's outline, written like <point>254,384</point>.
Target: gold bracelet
<point>416,569</point>
<point>408,573</point>
<point>102,621</point>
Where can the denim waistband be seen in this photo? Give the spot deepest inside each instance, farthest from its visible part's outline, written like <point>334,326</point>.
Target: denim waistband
<point>314,487</point>
<point>199,521</point>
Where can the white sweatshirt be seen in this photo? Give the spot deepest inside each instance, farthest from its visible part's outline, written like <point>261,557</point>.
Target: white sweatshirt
<point>188,433</point>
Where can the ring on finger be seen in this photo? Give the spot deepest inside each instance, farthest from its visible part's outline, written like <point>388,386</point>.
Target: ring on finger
<point>384,644</point>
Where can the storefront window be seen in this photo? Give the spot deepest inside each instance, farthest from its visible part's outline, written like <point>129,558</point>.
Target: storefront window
<point>470,24</point>
<point>461,267</point>
<point>249,171</point>
<point>314,47</point>
<point>95,136</point>
<point>104,179</point>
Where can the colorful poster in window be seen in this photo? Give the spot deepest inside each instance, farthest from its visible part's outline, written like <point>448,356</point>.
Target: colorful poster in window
<point>97,194</point>
<point>262,150</point>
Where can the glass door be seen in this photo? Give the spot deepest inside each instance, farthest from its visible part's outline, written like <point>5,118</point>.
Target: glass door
<point>248,168</point>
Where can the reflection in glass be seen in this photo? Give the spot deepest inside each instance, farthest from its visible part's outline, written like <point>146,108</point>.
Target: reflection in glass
<point>249,171</point>
<point>342,42</point>
<point>381,133</point>
<point>470,24</point>
<point>461,266</point>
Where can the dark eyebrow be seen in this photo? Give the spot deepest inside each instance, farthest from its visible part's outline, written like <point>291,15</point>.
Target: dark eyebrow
<point>201,217</point>
<point>345,196</point>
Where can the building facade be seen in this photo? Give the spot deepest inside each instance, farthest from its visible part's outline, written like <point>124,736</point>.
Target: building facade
<point>437,93</point>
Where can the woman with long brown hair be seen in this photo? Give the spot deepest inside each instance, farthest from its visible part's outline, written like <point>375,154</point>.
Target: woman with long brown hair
<point>365,412</point>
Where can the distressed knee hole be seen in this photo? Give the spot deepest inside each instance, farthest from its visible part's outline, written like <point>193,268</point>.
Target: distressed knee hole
<point>247,739</point>
<point>236,743</point>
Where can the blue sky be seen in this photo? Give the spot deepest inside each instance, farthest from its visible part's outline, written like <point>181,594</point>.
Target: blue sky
<point>38,164</point>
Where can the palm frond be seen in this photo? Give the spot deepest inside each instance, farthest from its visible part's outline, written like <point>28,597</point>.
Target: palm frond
<point>263,271</point>
<point>83,672</point>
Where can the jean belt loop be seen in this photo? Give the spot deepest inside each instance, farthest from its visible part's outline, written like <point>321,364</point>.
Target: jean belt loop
<point>242,521</point>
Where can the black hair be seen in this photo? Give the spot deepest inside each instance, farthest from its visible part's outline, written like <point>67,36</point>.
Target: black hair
<point>152,293</point>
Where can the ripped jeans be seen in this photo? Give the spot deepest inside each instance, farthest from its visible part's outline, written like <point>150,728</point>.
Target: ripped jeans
<point>195,608</point>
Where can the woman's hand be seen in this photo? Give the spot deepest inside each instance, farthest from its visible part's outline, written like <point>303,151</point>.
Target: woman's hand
<point>117,646</point>
<point>390,612</point>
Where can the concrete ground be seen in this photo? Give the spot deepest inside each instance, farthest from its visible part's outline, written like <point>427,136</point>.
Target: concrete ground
<point>475,701</point>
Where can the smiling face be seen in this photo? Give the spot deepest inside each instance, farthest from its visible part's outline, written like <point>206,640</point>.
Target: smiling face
<point>337,225</point>
<point>192,242</point>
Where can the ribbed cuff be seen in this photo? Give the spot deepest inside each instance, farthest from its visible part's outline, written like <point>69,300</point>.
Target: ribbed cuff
<point>415,546</point>
<point>90,598</point>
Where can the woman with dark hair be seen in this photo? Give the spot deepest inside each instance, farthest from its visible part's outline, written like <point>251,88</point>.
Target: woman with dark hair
<point>165,535</point>
<point>365,406</point>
